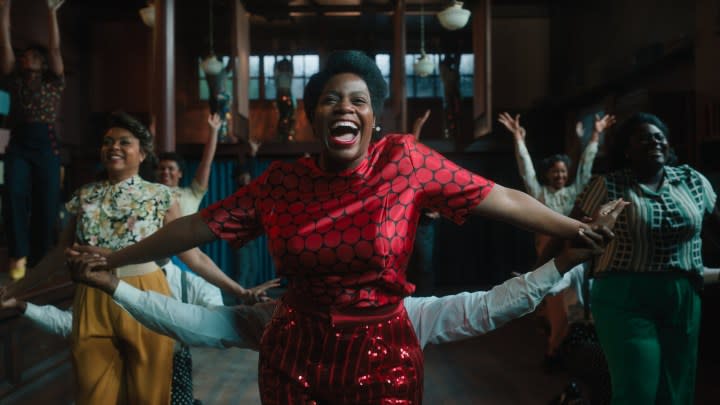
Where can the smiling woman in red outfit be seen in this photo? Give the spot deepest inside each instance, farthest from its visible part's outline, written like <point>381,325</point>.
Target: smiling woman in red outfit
<point>341,229</point>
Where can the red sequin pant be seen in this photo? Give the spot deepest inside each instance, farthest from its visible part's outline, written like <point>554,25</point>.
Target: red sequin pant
<point>306,360</point>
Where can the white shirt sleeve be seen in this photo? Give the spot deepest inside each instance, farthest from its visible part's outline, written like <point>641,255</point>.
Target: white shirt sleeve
<point>51,319</point>
<point>460,316</point>
<point>527,170</point>
<point>200,292</point>
<point>584,169</point>
<point>193,325</point>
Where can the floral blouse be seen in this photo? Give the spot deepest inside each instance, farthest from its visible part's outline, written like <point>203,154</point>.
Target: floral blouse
<point>117,215</point>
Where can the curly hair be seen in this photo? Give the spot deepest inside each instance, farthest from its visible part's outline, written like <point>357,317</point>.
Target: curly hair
<point>355,62</point>
<point>120,119</point>
<point>549,162</point>
<point>621,139</point>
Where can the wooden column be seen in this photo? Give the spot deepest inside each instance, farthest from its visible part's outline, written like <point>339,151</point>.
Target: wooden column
<point>241,73</point>
<point>164,94</point>
<point>482,92</point>
<point>397,75</point>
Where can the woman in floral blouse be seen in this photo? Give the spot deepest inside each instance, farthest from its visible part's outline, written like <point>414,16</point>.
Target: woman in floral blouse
<point>115,359</point>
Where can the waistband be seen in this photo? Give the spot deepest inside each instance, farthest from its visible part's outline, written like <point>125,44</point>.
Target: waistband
<point>341,317</point>
<point>136,269</point>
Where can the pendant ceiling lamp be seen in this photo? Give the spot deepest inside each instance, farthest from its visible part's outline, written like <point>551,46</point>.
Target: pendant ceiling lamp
<point>211,65</point>
<point>454,17</point>
<point>424,65</point>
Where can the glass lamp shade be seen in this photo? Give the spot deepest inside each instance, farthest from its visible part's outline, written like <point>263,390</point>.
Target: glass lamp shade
<point>211,65</point>
<point>423,66</point>
<point>454,17</point>
<point>148,15</point>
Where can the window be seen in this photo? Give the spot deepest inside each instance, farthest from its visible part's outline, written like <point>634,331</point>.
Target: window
<point>204,89</point>
<point>304,66</point>
<point>431,85</point>
<point>262,75</point>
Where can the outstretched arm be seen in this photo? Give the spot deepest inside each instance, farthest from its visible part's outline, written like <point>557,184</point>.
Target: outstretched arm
<point>7,56</point>
<point>522,156</point>
<point>55,62</point>
<point>202,174</point>
<point>177,236</point>
<point>460,316</point>
<point>519,209</point>
<point>195,325</point>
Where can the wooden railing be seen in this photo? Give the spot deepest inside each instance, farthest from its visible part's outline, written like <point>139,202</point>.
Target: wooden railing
<point>35,366</point>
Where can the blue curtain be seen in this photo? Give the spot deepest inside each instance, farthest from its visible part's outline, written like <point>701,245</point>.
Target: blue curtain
<point>251,264</point>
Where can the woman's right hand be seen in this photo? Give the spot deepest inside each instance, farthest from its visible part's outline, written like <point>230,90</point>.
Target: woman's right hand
<point>258,293</point>
<point>591,243</point>
<point>513,125</point>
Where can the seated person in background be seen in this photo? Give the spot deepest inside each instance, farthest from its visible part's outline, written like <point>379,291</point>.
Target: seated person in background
<point>435,320</point>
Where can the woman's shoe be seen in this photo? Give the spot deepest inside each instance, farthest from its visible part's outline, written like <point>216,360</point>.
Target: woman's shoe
<point>17,268</point>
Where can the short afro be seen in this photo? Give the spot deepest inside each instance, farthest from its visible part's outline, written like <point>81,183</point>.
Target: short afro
<point>621,139</point>
<point>355,62</point>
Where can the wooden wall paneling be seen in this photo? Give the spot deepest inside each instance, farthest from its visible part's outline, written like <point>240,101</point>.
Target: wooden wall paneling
<point>241,63</point>
<point>397,62</point>
<point>482,110</point>
<point>164,95</point>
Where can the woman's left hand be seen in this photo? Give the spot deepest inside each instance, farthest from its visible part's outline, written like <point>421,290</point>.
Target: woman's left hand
<point>77,250</point>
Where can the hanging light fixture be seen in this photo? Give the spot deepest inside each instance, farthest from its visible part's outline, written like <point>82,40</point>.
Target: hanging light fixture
<point>147,14</point>
<point>454,16</point>
<point>211,65</point>
<point>424,65</point>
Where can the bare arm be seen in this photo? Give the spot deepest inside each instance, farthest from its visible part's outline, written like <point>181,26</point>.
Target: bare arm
<point>202,174</point>
<point>519,209</point>
<point>7,56</point>
<point>53,262</point>
<point>201,264</point>
<point>177,236</point>
<point>55,62</point>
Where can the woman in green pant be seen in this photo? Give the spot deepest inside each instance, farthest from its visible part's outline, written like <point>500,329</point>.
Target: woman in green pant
<point>645,298</point>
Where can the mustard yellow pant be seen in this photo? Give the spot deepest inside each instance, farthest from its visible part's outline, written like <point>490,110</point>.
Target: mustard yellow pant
<point>116,360</point>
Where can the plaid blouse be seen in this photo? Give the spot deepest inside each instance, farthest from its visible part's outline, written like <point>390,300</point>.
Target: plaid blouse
<point>660,230</point>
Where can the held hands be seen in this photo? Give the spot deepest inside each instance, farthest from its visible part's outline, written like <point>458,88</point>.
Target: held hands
<point>89,269</point>
<point>592,240</point>
<point>513,125</point>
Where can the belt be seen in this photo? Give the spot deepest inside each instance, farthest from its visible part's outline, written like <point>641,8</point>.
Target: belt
<point>342,317</point>
<point>136,269</point>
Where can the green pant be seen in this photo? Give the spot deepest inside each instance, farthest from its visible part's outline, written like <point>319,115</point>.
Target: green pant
<point>648,326</point>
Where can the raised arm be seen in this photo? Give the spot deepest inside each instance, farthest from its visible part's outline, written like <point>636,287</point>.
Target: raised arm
<point>419,123</point>
<point>7,56</point>
<point>202,174</point>
<point>585,165</point>
<point>522,156</point>
<point>55,62</point>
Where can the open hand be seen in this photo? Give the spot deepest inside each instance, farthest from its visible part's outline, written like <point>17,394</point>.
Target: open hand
<point>259,292</point>
<point>54,5</point>
<point>602,124</point>
<point>215,122</point>
<point>513,125</point>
